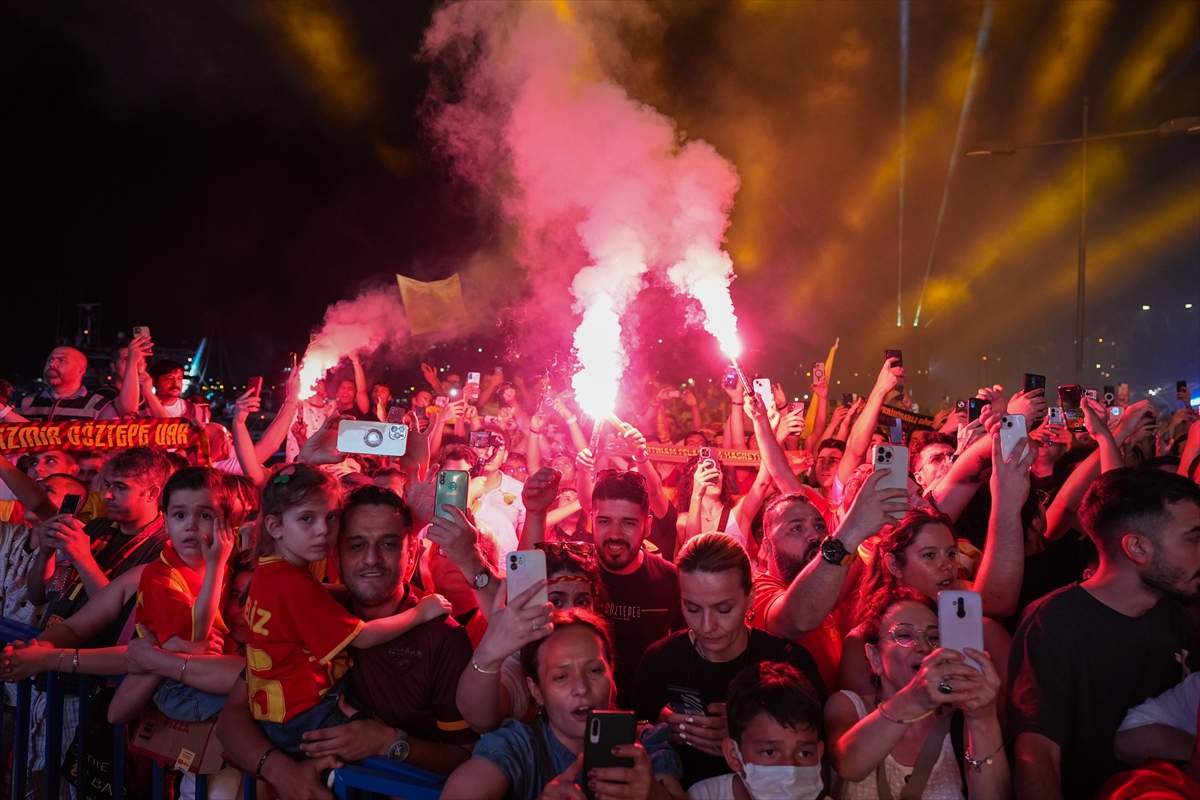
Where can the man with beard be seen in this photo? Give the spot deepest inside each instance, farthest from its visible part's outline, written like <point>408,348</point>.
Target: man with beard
<point>643,588</point>
<point>65,396</point>
<point>807,569</point>
<point>409,682</point>
<point>168,391</point>
<point>1087,653</point>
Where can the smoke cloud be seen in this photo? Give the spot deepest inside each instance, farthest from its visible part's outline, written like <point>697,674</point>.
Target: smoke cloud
<point>602,189</point>
<point>373,319</point>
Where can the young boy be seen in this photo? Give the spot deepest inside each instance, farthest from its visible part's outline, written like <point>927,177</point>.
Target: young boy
<point>180,593</point>
<point>774,745</point>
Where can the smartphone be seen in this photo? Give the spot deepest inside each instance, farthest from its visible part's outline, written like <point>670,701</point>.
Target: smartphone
<point>896,354</point>
<point>138,330</point>
<point>1054,416</point>
<point>960,622</point>
<point>70,504</point>
<point>686,701</point>
<point>847,399</point>
<point>1012,430</point>
<point>603,731</point>
<point>762,388</point>
<point>254,386</point>
<point>294,361</point>
<point>1110,395</point>
<point>454,392</point>
<point>896,431</point>
<point>975,408</point>
<point>1181,391</point>
<point>818,372</point>
<point>1030,382</point>
<point>730,378</point>
<point>473,377</point>
<point>451,491</point>
<point>525,568</point>
<point>894,459</point>
<point>395,413</point>
<point>960,407</point>
<point>1070,398</point>
<point>1091,394</point>
<point>707,459</point>
<point>440,401</point>
<point>372,438</point>
<point>482,440</point>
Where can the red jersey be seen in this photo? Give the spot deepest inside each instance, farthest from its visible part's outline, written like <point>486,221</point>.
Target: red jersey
<point>296,640</point>
<point>166,598</point>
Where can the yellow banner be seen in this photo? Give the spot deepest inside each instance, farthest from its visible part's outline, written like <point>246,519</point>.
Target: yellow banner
<point>432,305</point>
<point>34,437</point>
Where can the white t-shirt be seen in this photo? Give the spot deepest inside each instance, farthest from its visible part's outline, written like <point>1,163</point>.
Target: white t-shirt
<point>1175,707</point>
<point>506,499</point>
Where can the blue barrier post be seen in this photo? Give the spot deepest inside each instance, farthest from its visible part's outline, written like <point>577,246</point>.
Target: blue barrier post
<point>54,723</point>
<point>21,739</point>
<point>160,776</point>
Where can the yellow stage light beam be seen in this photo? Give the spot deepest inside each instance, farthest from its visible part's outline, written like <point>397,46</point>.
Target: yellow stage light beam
<point>313,30</point>
<point>1169,32</point>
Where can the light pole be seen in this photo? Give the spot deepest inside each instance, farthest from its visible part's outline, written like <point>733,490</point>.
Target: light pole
<point>1185,126</point>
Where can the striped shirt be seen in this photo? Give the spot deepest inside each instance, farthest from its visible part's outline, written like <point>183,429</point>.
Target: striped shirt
<point>44,407</point>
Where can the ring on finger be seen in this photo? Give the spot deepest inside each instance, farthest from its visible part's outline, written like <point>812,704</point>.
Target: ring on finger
<point>536,625</point>
<point>945,688</point>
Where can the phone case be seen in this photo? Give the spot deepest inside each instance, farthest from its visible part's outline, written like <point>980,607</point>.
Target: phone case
<point>960,622</point>
<point>1012,429</point>
<point>896,354</point>
<point>1054,416</point>
<point>974,408</point>
<point>372,438</point>
<point>473,377</point>
<point>525,568</point>
<point>686,701</point>
<point>451,491</point>
<point>894,458</point>
<point>1031,382</point>
<point>70,504</point>
<point>604,731</point>
<point>762,388</point>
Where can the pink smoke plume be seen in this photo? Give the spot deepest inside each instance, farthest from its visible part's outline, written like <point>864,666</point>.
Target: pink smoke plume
<point>361,325</point>
<point>527,113</point>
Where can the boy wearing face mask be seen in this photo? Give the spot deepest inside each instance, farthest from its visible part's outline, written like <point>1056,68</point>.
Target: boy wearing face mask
<point>774,745</point>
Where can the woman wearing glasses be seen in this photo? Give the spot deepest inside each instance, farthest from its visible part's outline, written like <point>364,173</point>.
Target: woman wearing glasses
<point>493,685</point>
<point>899,742</point>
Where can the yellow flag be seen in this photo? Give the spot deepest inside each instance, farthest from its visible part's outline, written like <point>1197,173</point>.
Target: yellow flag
<point>432,305</point>
<point>810,418</point>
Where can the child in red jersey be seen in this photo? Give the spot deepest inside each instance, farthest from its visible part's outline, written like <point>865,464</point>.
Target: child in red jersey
<point>297,634</point>
<point>180,594</point>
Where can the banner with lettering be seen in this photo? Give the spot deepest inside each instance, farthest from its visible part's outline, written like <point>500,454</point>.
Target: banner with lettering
<point>797,459</point>
<point>35,437</point>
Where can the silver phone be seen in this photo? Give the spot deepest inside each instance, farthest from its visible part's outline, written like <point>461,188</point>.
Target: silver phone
<point>525,568</point>
<point>1012,430</point>
<point>960,622</point>
<point>894,459</point>
<point>372,438</point>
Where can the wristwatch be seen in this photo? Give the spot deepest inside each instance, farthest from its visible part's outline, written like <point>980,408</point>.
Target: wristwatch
<point>833,551</point>
<point>482,579</point>
<point>400,748</point>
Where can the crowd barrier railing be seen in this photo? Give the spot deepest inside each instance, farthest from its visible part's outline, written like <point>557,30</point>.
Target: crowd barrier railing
<point>373,777</point>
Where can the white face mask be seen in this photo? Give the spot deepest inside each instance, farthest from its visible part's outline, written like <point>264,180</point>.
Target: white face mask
<point>780,782</point>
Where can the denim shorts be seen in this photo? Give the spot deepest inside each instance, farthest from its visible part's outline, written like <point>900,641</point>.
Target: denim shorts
<point>288,736</point>
<point>187,703</point>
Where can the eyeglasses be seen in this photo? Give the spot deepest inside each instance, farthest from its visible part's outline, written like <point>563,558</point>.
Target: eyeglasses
<point>581,549</point>
<point>940,458</point>
<point>906,635</point>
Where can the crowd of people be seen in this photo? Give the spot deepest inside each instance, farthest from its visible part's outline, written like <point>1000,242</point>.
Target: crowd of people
<point>749,580</point>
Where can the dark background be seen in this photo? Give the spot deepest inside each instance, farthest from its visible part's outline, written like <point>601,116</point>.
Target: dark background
<point>192,167</point>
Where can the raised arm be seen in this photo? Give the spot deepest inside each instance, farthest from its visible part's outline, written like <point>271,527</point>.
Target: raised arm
<point>864,426</point>
<point>361,400</point>
<point>208,600</point>
<point>774,459</point>
<point>129,399</point>
<point>384,629</point>
<point>538,494</point>
<point>820,396</point>
<point>32,496</point>
<point>735,426</point>
<point>243,444</point>
<point>814,593</point>
<point>1003,565</point>
<point>277,431</point>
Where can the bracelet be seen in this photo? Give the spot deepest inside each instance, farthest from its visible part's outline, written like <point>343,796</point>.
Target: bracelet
<point>898,721</point>
<point>978,765</point>
<point>645,457</point>
<point>480,669</point>
<point>185,663</point>
<point>75,662</point>
<point>258,770</point>
<point>61,653</point>
<point>571,421</point>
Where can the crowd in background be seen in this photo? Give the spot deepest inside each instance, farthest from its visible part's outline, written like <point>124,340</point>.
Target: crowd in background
<point>747,577</point>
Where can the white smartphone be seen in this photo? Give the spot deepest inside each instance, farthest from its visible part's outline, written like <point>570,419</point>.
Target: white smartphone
<point>1054,416</point>
<point>525,568</point>
<point>894,459</point>
<point>1012,430</point>
<point>473,377</point>
<point>762,388</point>
<point>960,622</point>
<point>372,438</point>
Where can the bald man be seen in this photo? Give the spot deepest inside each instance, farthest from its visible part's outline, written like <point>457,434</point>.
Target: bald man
<point>65,396</point>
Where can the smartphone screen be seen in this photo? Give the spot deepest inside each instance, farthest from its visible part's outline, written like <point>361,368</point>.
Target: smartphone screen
<point>451,491</point>
<point>1070,398</point>
<point>730,378</point>
<point>685,701</point>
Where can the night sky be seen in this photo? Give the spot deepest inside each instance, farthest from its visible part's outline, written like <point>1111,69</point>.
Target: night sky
<point>190,167</point>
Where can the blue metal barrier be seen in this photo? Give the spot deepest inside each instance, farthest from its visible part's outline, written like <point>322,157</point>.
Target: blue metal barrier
<point>371,778</point>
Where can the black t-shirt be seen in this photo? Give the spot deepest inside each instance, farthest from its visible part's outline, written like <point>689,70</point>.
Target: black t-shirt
<point>673,661</point>
<point>1077,666</point>
<point>664,531</point>
<point>643,607</point>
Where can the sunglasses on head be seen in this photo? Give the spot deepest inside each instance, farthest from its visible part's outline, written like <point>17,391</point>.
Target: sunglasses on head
<point>581,549</point>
